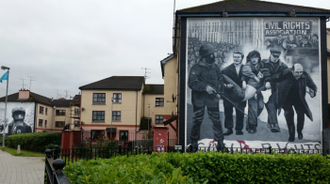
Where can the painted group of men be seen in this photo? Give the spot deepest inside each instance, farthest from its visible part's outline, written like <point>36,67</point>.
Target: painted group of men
<point>238,84</point>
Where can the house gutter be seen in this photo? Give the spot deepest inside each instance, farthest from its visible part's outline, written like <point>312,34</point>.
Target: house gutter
<point>252,15</point>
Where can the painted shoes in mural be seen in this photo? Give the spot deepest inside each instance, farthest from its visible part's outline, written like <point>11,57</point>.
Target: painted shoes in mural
<point>252,131</point>
<point>291,139</point>
<point>228,132</point>
<point>274,127</point>
<point>221,147</point>
<point>300,135</point>
<point>194,146</point>
<point>239,132</point>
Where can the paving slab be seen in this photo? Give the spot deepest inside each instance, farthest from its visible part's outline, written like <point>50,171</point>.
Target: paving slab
<point>18,170</point>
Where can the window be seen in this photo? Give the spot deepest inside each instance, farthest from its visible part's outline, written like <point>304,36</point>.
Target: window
<point>46,111</point>
<point>116,98</point>
<point>123,135</point>
<point>159,119</point>
<point>159,101</point>
<point>98,98</point>
<point>98,116</point>
<point>116,115</point>
<point>40,123</point>
<point>59,124</point>
<point>41,110</point>
<point>45,123</point>
<point>95,134</point>
<point>60,112</point>
<point>76,111</point>
<point>76,124</point>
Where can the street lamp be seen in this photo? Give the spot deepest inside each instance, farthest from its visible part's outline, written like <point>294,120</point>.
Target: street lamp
<point>148,119</point>
<point>4,122</point>
<point>111,117</point>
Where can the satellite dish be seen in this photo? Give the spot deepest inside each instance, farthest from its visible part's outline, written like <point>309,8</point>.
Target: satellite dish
<point>173,97</point>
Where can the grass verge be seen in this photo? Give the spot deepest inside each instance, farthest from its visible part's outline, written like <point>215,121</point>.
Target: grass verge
<point>23,153</point>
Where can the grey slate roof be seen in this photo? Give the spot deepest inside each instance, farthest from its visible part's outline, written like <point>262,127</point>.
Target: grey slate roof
<point>33,98</point>
<point>61,103</point>
<point>252,6</point>
<point>125,83</point>
<point>153,89</point>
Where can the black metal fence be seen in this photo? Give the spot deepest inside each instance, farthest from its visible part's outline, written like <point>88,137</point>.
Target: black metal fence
<point>75,154</point>
<point>54,167</point>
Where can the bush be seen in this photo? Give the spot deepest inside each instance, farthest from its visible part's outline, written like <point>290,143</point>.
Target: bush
<point>37,142</point>
<point>209,167</point>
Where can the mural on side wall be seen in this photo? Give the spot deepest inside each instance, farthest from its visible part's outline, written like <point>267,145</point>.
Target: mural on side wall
<point>20,118</point>
<point>259,81</point>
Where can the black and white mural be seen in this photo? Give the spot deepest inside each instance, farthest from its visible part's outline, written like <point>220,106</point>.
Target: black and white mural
<point>20,118</point>
<point>253,83</point>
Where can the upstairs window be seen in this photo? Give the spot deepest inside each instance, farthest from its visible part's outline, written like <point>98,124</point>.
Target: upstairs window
<point>116,98</point>
<point>40,122</point>
<point>98,98</point>
<point>98,116</point>
<point>159,119</point>
<point>41,110</point>
<point>116,115</point>
<point>60,112</point>
<point>159,102</point>
<point>59,124</point>
<point>76,111</point>
<point>46,111</point>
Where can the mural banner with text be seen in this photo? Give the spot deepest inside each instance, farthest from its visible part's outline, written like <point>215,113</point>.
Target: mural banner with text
<point>259,78</point>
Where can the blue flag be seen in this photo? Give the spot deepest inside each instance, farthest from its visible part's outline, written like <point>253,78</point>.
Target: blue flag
<point>4,77</point>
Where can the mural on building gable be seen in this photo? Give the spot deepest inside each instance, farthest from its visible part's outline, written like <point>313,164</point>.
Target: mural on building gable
<point>258,79</point>
<point>20,117</point>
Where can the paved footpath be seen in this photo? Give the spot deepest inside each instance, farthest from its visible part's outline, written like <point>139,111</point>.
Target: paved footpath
<point>19,170</point>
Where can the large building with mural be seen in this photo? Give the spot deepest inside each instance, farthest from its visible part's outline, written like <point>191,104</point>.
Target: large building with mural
<point>252,74</point>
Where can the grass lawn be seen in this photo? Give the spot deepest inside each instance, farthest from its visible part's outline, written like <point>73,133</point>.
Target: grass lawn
<point>23,153</point>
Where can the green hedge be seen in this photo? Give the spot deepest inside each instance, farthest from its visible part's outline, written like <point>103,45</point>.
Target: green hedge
<point>37,142</point>
<point>209,167</point>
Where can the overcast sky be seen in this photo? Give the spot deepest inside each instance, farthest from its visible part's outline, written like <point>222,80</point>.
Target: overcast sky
<point>64,44</point>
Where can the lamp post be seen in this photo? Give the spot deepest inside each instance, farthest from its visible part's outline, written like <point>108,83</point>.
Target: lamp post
<point>111,117</point>
<point>5,121</point>
<point>148,118</point>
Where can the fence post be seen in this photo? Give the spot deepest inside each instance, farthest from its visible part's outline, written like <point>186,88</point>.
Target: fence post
<point>56,150</point>
<point>58,165</point>
<point>119,147</point>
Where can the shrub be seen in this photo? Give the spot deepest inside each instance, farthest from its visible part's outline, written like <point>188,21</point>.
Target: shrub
<point>209,167</point>
<point>37,142</point>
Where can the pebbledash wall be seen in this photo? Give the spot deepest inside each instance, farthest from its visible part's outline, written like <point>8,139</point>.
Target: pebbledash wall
<point>228,34</point>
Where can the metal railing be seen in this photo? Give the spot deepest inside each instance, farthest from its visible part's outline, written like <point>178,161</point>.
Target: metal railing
<point>54,167</point>
<point>75,154</point>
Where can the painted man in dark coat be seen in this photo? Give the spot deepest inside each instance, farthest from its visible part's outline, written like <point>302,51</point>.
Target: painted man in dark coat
<point>295,82</point>
<point>275,68</point>
<point>234,72</point>
<point>205,81</point>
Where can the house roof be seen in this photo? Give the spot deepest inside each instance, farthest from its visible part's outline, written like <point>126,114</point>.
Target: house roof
<point>33,98</point>
<point>153,89</point>
<point>61,103</point>
<point>163,61</point>
<point>125,83</point>
<point>254,7</point>
<point>76,100</point>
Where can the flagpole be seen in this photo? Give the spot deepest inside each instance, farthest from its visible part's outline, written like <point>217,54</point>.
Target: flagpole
<point>5,121</point>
